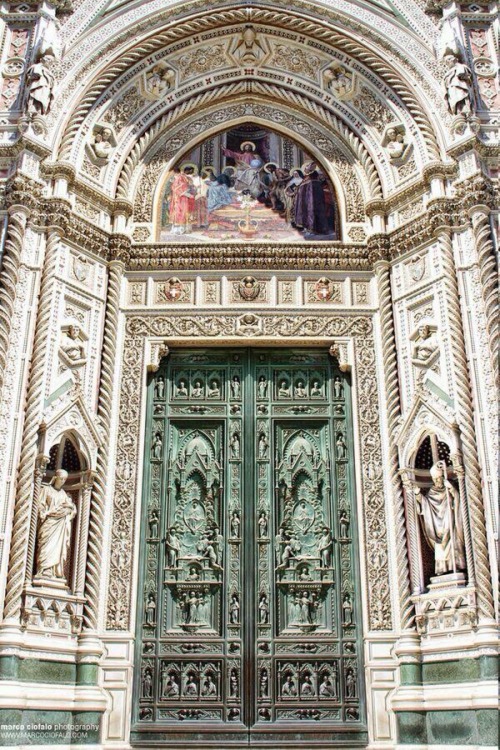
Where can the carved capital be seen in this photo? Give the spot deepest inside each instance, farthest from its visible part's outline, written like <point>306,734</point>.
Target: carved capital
<point>339,350</point>
<point>119,247</point>
<point>155,352</point>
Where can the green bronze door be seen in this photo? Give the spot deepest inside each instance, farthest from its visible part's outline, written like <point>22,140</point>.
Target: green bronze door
<point>249,622</point>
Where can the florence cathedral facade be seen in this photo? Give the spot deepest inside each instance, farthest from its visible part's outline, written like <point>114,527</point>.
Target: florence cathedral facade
<point>248,374</point>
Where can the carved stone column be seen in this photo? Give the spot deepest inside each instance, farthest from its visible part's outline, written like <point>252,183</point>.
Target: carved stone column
<point>106,390</point>
<point>488,274</point>
<point>465,418</point>
<point>9,276</point>
<point>469,554</point>
<point>413,539</point>
<point>389,355</point>
<point>23,508</point>
<point>41,464</point>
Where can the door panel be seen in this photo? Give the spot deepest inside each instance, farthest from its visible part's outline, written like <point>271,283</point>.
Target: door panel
<point>249,619</point>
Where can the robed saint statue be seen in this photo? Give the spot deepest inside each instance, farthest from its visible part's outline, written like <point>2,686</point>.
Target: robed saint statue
<point>442,523</point>
<point>55,516</point>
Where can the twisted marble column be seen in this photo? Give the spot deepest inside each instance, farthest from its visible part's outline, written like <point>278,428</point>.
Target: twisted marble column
<point>488,274</point>
<point>9,277</point>
<point>465,418</point>
<point>96,522</point>
<point>29,446</point>
<point>389,356</point>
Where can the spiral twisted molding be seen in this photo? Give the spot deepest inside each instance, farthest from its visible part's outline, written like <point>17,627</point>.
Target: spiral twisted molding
<point>313,28</point>
<point>383,274</point>
<point>9,278</point>
<point>488,274</point>
<point>272,92</point>
<point>29,446</point>
<point>105,403</point>
<point>465,419</point>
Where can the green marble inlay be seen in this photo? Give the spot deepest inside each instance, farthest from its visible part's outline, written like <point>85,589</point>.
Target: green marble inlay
<point>459,728</point>
<point>35,727</point>
<point>443,672</point>
<point>50,672</point>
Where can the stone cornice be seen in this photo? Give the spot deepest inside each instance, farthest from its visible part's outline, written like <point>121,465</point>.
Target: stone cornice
<point>206,256</point>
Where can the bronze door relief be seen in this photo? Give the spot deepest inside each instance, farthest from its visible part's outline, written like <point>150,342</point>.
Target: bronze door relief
<point>249,622</point>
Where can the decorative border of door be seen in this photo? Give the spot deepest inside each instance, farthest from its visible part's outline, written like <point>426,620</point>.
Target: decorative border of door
<point>248,607</point>
<point>146,333</point>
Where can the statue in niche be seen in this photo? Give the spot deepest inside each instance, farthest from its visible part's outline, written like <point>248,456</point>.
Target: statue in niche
<point>235,525</point>
<point>284,389</point>
<point>306,606</point>
<point>425,347</point>
<point>235,446</point>
<point>234,689</point>
<point>280,541</point>
<point>458,84</point>
<point>338,80</point>
<point>344,524</point>
<point>197,389</point>
<point>316,389</point>
<point>71,348</point>
<point>159,388</point>
<point>263,446</point>
<point>101,144</point>
<point>234,610</point>
<point>171,688</point>
<point>341,446</point>
<point>235,387</point>
<point>190,688</point>
<point>350,683</point>
<point>440,509</point>
<point>150,613</point>
<point>338,389</point>
<point>264,684</point>
<point>40,84</point>
<point>262,387</point>
<point>209,687</point>
<point>191,606</point>
<point>288,688</point>
<point>347,612</point>
<point>182,391</point>
<point>157,446</point>
<point>307,688</point>
<point>193,574</point>
<point>154,521</point>
<point>158,80</point>
<point>326,689</point>
<point>395,143</point>
<point>325,548</point>
<point>147,684</point>
<point>55,517</point>
<point>173,546</point>
<point>214,390</point>
<point>219,543</point>
<point>263,610</point>
<point>304,574</point>
<point>300,390</point>
<point>263,525</point>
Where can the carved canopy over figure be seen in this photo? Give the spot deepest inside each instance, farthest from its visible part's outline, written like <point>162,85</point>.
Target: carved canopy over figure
<point>56,512</point>
<point>442,523</point>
